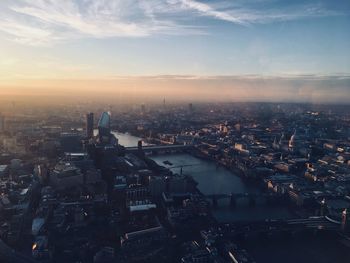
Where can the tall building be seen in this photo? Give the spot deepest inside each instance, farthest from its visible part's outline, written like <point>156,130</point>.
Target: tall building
<point>190,108</point>
<point>2,123</point>
<point>104,124</point>
<point>164,105</point>
<point>104,130</point>
<point>89,125</point>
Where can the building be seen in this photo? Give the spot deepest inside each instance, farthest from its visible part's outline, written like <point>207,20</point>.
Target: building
<point>190,108</point>
<point>66,175</point>
<point>104,128</point>
<point>12,145</point>
<point>157,185</point>
<point>4,171</point>
<point>70,142</point>
<point>40,248</point>
<point>2,123</point>
<point>89,125</point>
<point>143,232</point>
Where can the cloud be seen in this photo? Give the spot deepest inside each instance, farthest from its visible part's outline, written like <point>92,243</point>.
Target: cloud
<point>97,20</point>
<point>23,33</point>
<point>43,22</point>
<point>207,10</point>
<point>238,14</point>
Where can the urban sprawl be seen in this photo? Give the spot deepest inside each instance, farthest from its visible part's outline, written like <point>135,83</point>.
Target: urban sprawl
<point>72,192</point>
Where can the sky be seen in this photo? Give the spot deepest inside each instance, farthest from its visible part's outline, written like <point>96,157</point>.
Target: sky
<point>233,44</point>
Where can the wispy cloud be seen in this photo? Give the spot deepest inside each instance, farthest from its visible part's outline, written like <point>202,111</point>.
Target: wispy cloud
<point>239,14</point>
<point>40,22</point>
<point>207,10</point>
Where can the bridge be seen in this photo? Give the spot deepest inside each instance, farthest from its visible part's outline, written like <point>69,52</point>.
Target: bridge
<point>255,229</point>
<point>159,148</point>
<point>251,197</point>
<point>314,222</point>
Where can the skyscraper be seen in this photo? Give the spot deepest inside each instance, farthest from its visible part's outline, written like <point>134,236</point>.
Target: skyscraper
<point>190,108</point>
<point>89,125</point>
<point>104,125</point>
<point>2,123</point>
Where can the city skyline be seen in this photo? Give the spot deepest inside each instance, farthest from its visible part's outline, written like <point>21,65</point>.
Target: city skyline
<point>153,89</point>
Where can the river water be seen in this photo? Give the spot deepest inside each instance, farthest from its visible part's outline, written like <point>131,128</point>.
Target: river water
<point>125,139</point>
<point>213,179</point>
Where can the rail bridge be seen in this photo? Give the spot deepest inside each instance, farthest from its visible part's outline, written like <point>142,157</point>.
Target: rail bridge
<point>290,227</point>
<point>314,222</point>
<point>253,198</point>
<point>159,148</point>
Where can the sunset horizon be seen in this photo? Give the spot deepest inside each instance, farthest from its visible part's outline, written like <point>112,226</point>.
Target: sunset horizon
<point>246,50</point>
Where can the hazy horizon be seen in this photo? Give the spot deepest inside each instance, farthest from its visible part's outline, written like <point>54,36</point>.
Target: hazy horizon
<point>188,50</point>
<point>310,89</point>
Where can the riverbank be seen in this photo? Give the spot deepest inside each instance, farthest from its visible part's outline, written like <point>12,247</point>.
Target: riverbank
<point>215,178</point>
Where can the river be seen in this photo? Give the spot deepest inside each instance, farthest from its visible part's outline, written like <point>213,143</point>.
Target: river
<point>213,179</point>
<point>125,139</point>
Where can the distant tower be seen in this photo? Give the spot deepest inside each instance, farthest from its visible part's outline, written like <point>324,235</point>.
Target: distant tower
<point>2,123</point>
<point>190,108</point>
<point>89,125</point>
<point>143,108</point>
<point>281,139</point>
<point>164,103</point>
